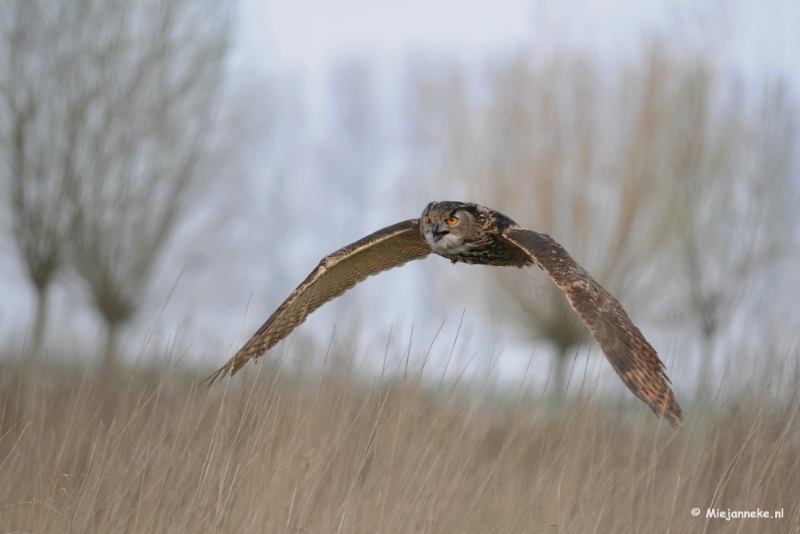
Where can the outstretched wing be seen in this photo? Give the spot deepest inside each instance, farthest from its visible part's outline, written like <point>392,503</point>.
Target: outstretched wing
<point>336,273</point>
<point>634,359</point>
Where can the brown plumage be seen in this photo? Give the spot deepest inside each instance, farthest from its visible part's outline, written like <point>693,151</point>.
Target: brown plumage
<point>469,233</point>
<point>632,357</point>
<point>336,273</point>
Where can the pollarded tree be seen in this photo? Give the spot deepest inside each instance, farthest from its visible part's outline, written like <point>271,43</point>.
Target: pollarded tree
<point>733,200</point>
<point>141,155</point>
<point>45,108</point>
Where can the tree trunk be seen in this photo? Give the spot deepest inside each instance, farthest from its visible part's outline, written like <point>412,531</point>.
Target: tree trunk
<point>109,367</point>
<point>558,378</point>
<point>703,391</point>
<point>107,379</point>
<point>32,360</point>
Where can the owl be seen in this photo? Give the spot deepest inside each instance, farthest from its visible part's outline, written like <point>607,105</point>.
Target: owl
<point>474,234</point>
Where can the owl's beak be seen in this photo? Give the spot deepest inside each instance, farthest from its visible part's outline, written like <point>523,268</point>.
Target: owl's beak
<point>438,235</point>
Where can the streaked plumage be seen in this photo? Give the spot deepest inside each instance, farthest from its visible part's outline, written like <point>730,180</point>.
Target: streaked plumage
<point>469,233</point>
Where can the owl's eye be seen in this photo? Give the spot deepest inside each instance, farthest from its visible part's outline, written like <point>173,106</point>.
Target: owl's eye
<point>427,219</point>
<point>451,220</point>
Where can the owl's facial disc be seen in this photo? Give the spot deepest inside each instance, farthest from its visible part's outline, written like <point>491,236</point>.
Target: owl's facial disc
<point>443,231</point>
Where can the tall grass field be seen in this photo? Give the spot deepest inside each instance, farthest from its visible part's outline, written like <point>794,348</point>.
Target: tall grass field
<point>326,452</point>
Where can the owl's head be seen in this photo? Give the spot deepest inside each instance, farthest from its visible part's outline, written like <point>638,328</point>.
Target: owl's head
<point>447,226</point>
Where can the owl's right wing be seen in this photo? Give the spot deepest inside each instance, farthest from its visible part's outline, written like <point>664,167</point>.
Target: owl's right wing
<point>336,273</point>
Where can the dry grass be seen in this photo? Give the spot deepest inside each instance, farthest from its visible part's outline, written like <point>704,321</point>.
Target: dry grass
<point>287,454</point>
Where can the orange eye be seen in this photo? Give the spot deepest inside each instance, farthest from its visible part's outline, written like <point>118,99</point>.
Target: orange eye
<point>451,221</point>
<point>427,219</point>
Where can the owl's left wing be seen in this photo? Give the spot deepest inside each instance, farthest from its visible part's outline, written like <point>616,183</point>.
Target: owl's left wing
<point>632,357</point>
<point>336,273</point>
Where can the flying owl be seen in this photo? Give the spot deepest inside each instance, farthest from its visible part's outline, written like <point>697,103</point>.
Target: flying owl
<point>473,234</point>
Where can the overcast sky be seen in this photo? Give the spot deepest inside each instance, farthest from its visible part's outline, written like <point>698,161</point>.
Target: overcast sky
<point>307,35</point>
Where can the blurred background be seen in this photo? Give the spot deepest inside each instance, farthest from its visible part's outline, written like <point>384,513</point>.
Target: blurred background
<point>172,169</point>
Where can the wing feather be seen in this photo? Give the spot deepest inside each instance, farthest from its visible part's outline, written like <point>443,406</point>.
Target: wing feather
<point>632,357</point>
<point>336,273</point>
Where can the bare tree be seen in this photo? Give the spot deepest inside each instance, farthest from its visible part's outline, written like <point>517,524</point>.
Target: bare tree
<point>110,106</point>
<point>733,200</point>
<point>141,155</point>
<point>44,108</point>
